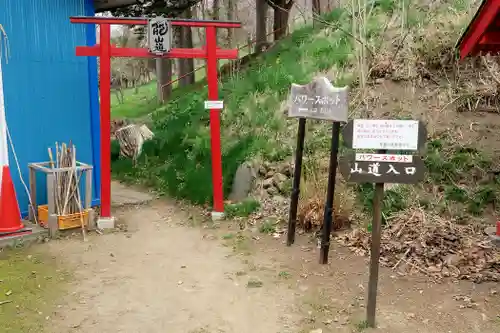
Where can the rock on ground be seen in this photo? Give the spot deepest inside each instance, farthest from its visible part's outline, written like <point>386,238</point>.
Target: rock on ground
<point>243,182</point>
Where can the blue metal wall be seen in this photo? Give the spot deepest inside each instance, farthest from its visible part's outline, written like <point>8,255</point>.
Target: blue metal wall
<point>50,94</point>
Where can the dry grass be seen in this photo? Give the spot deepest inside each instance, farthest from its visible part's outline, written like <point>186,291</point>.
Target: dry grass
<point>313,195</point>
<point>424,54</point>
<point>476,86</point>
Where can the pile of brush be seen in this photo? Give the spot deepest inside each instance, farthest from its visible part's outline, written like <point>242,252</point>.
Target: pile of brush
<point>67,199</point>
<point>131,138</point>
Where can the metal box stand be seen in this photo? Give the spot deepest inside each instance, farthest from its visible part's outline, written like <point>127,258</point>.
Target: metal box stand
<point>51,185</point>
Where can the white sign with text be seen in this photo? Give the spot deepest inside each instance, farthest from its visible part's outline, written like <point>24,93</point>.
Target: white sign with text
<point>385,134</point>
<point>216,105</point>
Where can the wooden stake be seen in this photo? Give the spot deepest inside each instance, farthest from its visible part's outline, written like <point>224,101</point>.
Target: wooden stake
<point>78,200</point>
<point>375,251</point>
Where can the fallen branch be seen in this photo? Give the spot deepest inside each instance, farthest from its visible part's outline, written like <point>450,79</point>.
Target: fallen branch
<point>401,259</point>
<point>420,269</point>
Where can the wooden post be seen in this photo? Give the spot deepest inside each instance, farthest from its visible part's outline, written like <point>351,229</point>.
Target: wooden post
<point>294,201</point>
<point>52,216</point>
<point>88,199</point>
<point>375,251</point>
<point>33,207</point>
<point>328,214</point>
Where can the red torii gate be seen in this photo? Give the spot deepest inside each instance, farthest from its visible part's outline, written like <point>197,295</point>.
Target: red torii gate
<point>482,37</point>
<point>105,51</point>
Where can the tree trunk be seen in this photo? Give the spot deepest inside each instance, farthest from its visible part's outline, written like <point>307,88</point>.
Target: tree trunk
<point>230,17</point>
<point>269,21</point>
<point>135,79</point>
<point>280,25</point>
<point>260,28</point>
<point>200,12</point>
<point>216,16</point>
<point>163,76</point>
<point>281,10</point>
<point>316,9</point>
<point>215,10</point>
<point>186,66</point>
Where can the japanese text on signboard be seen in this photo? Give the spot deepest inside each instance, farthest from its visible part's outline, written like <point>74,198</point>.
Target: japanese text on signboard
<point>384,158</point>
<point>159,35</point>
<point>319,100</point>
<point>360,169</point>
<point>385,134</point>
<point>375,170</point>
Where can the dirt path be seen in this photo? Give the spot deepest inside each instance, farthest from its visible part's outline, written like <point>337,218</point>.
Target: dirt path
<point>162,275</point>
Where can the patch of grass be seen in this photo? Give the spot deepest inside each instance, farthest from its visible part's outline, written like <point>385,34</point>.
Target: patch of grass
<point>387,6</point>
<point>143,100</point>
<point>455,193</point>
<point>254,283</point>
<point>287,187</point>
<point>482,197</point>
<point>32,282</point>
<point>228,236</point>
<point>395,200</point>
<point>239,242</point>
<point>464,175</point>
<point>449,165</point>
<point>268,227</point>
<point>178,160</point>
<point>361,326</point>
<point>284,275</point>
<point>115,150</point>
<point>241,209</point>
<point>135,104</point>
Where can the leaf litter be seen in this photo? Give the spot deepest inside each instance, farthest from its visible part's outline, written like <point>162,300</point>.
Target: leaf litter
<point>414,242</point>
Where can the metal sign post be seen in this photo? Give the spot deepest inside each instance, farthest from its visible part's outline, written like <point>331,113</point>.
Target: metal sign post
<point>318,100</point>
<point>380,168</point>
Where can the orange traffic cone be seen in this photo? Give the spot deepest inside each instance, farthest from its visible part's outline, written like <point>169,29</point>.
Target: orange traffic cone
<point>10,216</point>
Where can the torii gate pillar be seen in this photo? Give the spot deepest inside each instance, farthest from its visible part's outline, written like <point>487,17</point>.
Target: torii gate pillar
<point>105,51</point>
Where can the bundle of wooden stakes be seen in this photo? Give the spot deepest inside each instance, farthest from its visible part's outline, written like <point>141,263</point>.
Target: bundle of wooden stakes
<point>67,198</point>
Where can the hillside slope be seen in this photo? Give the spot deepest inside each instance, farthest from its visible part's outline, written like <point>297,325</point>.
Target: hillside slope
<point>409,71</point>
<point>177,162</point>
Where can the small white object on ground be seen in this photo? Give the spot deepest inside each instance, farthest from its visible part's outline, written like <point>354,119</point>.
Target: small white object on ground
<point>217,216</point>
<point>106,223</point>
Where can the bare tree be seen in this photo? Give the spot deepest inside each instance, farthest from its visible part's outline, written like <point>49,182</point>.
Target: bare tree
<point>168,8</point>
<point>281,11</point>
<point>186,66</point>
<point>316,9</point>
<point>216,15</point>
<point>230,16</point>
<point>260,25</point>
<point>216,9</point>
<point>164,77</point>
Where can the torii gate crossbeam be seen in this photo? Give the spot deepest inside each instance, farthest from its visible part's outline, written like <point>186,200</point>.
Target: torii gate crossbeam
<point>105,51</point>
